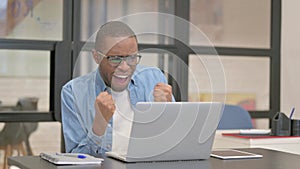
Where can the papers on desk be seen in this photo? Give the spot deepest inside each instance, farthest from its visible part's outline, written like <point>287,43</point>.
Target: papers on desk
<point>254,134</point>
<point>227,154</point>
<point>70,158</point>
<point>255,131</point>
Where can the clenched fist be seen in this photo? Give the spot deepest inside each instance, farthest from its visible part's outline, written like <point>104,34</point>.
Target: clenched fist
<point>162,92</point>
<point>105,108</point>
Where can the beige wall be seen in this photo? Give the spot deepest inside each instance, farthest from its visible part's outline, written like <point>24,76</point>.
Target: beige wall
<point>290,88</point>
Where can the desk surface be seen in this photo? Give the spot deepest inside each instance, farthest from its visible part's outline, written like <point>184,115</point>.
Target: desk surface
<point>271,160</point>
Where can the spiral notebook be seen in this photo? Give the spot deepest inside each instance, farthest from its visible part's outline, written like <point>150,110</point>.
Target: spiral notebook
<point>70,158</point>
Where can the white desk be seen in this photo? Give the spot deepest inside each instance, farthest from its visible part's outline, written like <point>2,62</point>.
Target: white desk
<point>290,145</point>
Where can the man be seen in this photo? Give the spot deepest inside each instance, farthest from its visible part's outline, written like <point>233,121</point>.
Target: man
<point>90,102</point>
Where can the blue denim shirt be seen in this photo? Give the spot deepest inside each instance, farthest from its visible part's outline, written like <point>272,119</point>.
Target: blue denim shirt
<point>78,112</point>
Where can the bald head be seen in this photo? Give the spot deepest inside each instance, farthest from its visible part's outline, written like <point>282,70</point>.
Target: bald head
<point>113,29</point>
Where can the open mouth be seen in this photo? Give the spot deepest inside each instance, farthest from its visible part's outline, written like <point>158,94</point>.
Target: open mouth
<point>120,78</point>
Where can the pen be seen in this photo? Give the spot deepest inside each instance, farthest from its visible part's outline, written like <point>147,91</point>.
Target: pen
<point>81,156</point>
<point>292,112</point>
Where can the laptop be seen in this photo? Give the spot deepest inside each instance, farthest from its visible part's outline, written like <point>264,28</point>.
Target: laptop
<point>166,131</point>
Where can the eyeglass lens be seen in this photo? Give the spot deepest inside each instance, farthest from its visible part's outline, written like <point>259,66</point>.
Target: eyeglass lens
<point>131,60</point>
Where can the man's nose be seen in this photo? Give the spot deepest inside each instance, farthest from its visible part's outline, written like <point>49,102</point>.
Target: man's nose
<point>123,65</point>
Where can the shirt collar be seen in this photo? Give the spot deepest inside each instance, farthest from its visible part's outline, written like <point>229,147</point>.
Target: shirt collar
<point>133,78</point>
<point>100,85</point>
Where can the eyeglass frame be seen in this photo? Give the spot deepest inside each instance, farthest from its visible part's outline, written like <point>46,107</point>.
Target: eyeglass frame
<point>123,58</point>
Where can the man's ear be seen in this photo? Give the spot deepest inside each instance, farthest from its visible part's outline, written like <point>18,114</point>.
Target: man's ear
<point>96,56</point>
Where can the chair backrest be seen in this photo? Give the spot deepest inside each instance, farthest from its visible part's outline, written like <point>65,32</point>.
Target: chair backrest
<point>235,117</point>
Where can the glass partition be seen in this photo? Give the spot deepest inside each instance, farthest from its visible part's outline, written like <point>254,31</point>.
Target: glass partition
<point>32,138</point>
<point>246,79</point>
<point>94,13</point>
<point>232,23</point>
<point>31,19</point>
<point>24,80</point>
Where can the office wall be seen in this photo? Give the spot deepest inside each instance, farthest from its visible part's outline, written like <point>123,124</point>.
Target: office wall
<point>290,80</point>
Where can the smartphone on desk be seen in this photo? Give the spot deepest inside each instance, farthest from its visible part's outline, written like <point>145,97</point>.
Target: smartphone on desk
<point>227,154</point>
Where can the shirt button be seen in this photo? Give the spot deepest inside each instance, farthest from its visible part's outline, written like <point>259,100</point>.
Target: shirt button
<point>108,146</point>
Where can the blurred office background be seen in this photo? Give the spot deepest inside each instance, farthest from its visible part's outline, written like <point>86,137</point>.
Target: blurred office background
<point>40,41</point>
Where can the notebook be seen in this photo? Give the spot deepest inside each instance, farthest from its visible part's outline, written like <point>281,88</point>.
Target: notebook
<point>227,154</point>
<point>70,158</point>
<point>164,131</point>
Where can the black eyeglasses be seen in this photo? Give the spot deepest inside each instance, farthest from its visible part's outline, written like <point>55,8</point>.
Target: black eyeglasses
<point>115,61</point>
